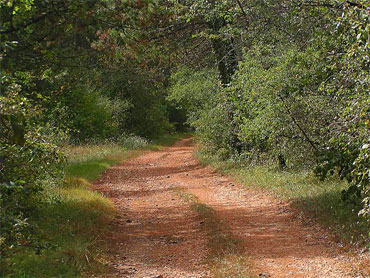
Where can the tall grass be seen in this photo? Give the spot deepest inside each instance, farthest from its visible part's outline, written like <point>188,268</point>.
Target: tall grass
<point>70,224</point>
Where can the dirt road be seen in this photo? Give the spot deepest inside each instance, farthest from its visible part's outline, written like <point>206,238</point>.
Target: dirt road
<point>158,234</point>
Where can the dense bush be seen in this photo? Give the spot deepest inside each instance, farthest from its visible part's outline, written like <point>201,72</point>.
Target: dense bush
<point>278,105</point>
<point>361,178</point>
<point>348,84</point>
<point>27,158</point>
<point>91,115</point>
<point>145,113</point>
<point>299,95</point>
<point>199,94</point>
<point>193,90</point>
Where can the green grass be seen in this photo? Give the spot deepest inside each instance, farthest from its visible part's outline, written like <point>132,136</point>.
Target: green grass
<point>90,169</point>
<point>90,161</point>
<point>70,231</point>
<point>73,220</point>
<point>226,255</point>
<point>320,200</point>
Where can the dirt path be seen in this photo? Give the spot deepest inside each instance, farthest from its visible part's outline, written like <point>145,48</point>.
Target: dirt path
<point>157,234</point>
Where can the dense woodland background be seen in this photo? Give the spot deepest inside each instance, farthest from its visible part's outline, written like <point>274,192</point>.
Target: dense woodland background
<point>280,83</point>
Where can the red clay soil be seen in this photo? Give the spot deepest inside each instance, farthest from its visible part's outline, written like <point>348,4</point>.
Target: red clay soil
<point>156,234</point>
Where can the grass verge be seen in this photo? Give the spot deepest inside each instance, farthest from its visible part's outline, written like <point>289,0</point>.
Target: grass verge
<point>318,199</point>
<point>72,221</point>
<point>226,256</point>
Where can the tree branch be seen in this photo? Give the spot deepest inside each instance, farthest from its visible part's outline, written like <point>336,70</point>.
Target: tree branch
<point>297,124</point>
<point>241,8</point>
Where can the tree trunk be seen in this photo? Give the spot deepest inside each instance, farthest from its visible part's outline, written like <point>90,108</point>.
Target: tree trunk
<point>227,65</point>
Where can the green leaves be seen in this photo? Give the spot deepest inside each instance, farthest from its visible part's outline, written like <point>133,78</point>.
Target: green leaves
<point>199,94</point>
<point>301,90</point>
<point>27,156</point>
<point>193,90</point>
<point>361,178</point>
